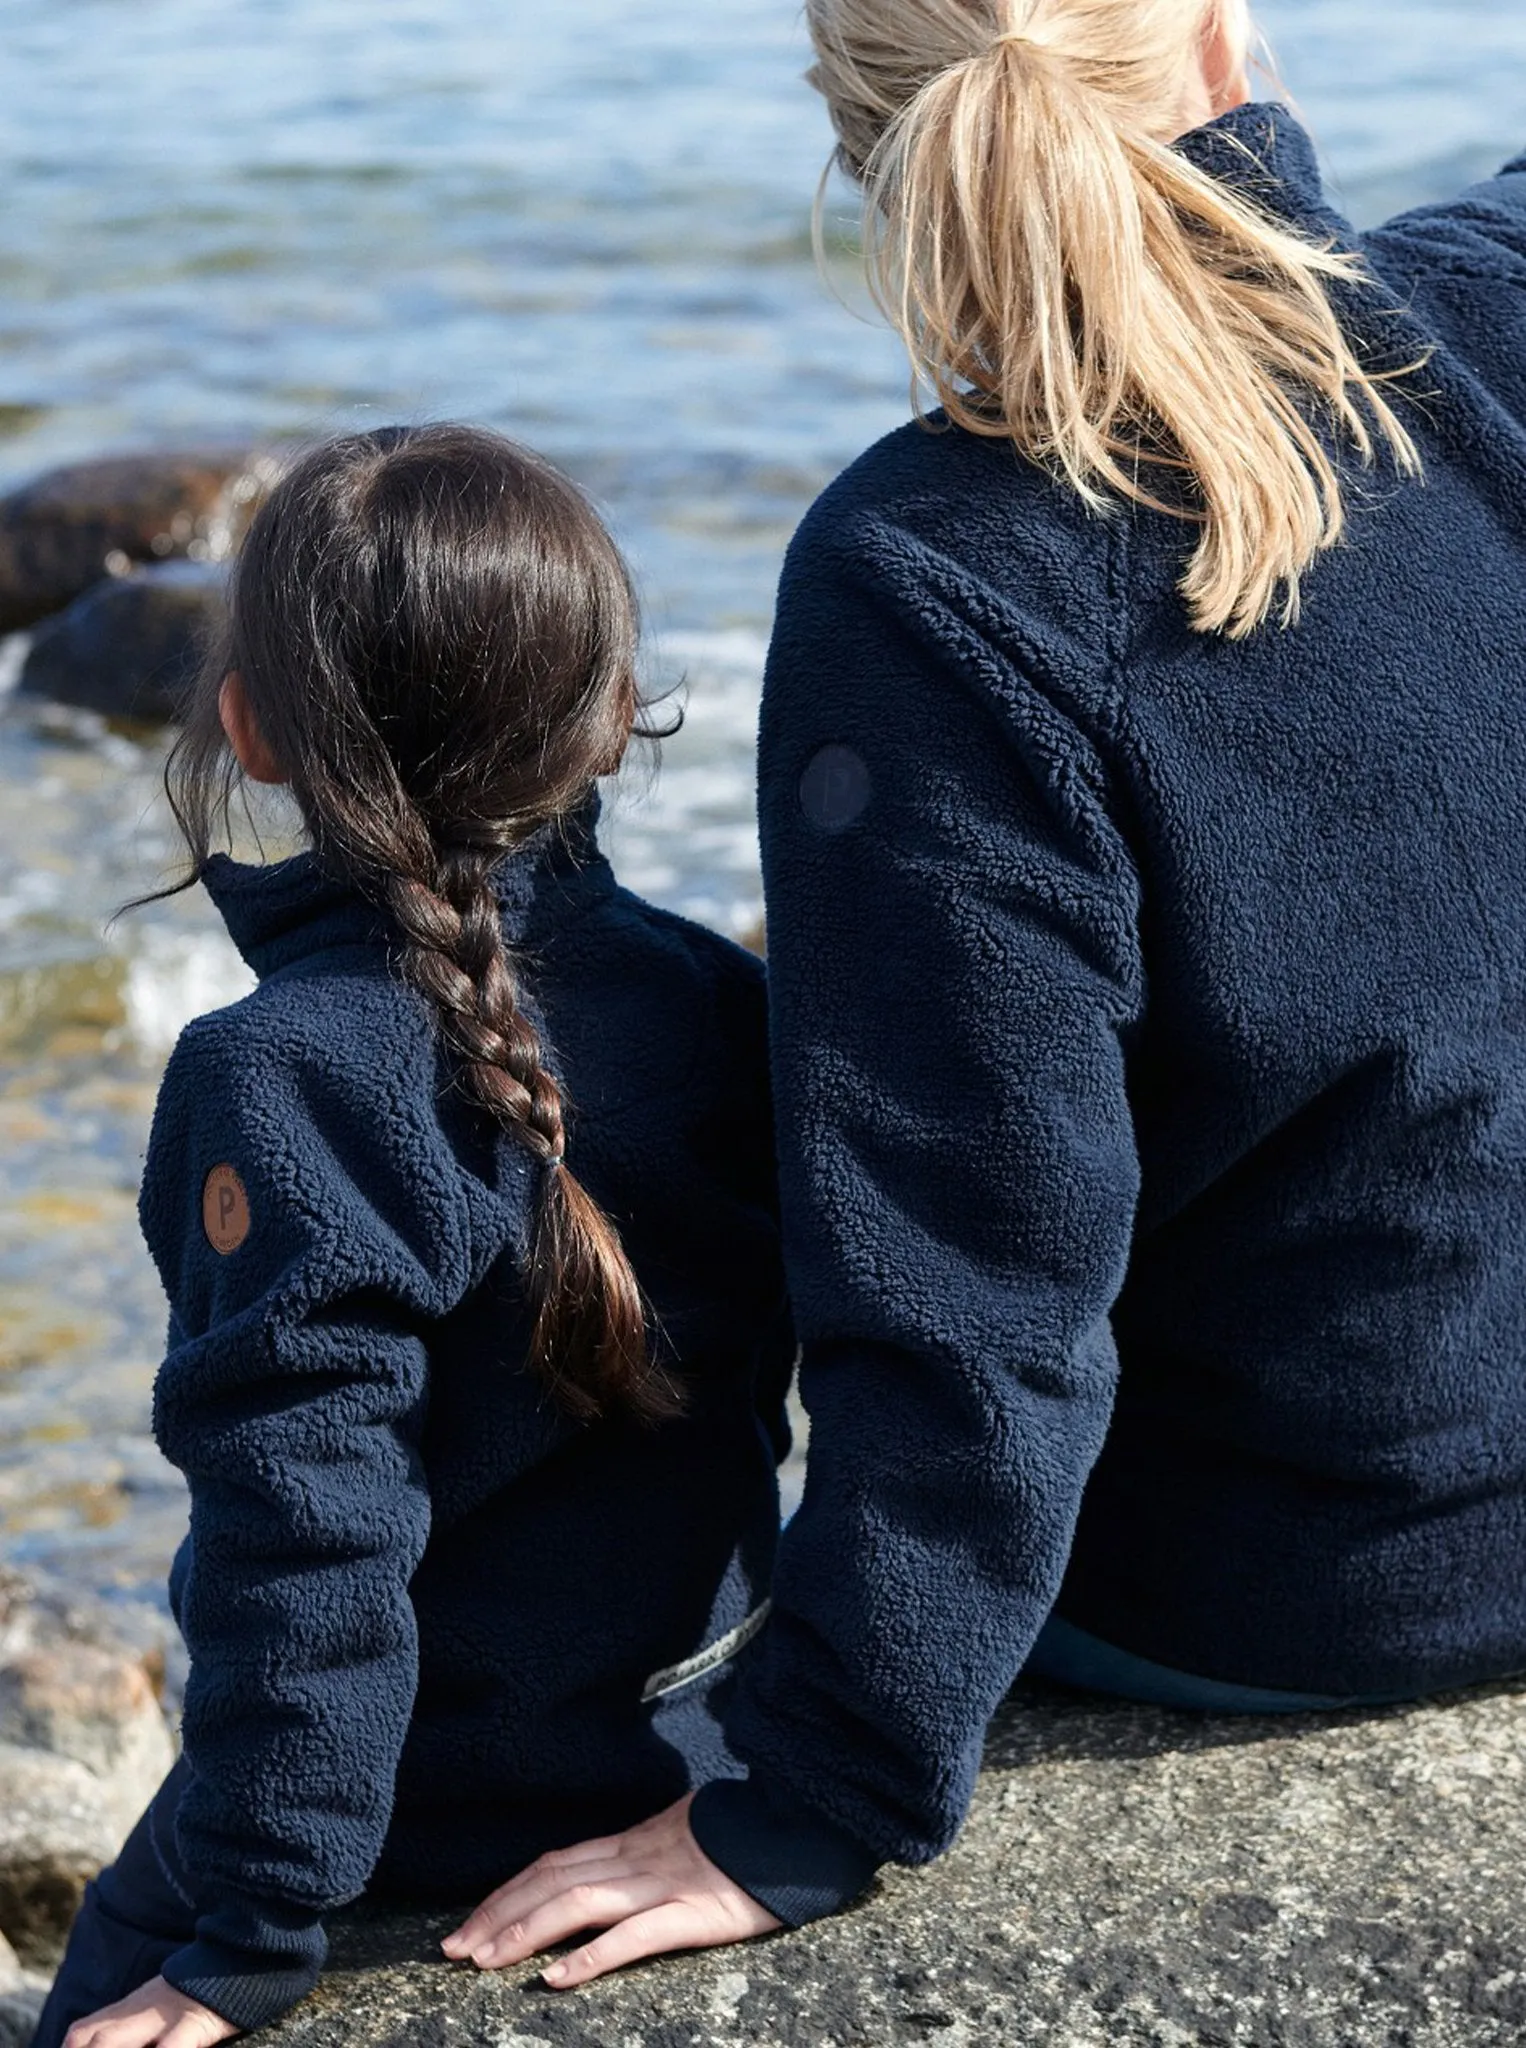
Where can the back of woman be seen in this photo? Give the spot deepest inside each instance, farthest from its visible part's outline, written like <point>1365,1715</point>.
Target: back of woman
<point>1213,954</point>
<point>1147,960</point>
<point>1144,848</point>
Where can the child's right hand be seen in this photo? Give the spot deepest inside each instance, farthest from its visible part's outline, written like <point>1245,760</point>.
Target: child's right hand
<point>157,2016</point>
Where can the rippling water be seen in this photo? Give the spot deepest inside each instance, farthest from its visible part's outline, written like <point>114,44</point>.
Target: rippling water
<point>586,224</point>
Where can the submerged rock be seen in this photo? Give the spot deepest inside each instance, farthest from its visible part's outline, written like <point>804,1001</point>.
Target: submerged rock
<point>1128,1879</point>
<point>67,529</point>
<point>130,646</point>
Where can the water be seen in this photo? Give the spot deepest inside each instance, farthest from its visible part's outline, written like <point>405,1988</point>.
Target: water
<point>585,224</point>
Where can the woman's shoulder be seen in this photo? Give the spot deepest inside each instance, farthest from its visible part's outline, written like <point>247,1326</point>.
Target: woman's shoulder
<point>976,553</point>
<point>1459,269</point>
<point>934,474</point>
<point>1481,232</point>
<point>932,495</point>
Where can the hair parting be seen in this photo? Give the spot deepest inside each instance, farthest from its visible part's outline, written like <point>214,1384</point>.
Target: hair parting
<point>437,638</point>
<point>1065,279</point>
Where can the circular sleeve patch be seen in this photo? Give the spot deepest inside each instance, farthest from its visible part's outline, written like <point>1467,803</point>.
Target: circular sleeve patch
<point>224,1210</point>
<point>834,789</point>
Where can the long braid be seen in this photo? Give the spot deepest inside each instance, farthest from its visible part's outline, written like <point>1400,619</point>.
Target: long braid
<point>437,638</point>
<point>590,1340</point>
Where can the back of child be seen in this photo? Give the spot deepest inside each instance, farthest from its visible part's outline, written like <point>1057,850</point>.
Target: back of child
<point>478,1340</point>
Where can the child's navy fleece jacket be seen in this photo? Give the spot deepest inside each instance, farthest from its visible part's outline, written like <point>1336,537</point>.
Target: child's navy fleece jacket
<point>1149,1038</point>
<point>436,1628</point>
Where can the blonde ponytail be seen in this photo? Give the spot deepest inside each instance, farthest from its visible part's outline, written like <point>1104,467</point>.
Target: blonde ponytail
<point>1065,279</point>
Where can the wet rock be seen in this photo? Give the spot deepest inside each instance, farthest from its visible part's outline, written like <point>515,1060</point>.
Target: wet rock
<point>67,529</point>
<point>56,1832</point>
<point>1128,1879</point>
<point>96,1707</point>
<point>129,647</point>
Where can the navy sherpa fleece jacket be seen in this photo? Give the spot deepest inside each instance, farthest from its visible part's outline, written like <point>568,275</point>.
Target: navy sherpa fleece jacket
<point>436,1628</point>
<point>1149,1021</point>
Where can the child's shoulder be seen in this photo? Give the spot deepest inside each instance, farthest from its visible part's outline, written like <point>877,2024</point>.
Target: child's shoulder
<point>345,1035</point>
<point>709,951</point>
<point>618,908</point>
<point>642,1002</point>
<point>317,1100</point>
<point>331,1060</point>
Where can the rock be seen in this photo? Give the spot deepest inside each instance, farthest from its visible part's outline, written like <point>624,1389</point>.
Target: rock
<point>1128,1879</point>
<point>40,1612</point>
<point>129,647</point>
<point>21,1998</point>
<point>96,1707</point>
<point>57,1829</point>
<point>83,1747</point>
<point>67,529</point>
<point>19,2014</point>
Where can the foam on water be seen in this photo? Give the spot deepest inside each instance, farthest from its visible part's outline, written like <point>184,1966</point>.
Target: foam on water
<point>174,976</point>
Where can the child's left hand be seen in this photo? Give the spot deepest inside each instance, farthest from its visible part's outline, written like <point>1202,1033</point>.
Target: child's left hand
<point>652,1889</point>
<point>156,2014</point>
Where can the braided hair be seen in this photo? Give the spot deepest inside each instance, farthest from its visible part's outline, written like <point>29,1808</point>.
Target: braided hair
<point>437,638</point>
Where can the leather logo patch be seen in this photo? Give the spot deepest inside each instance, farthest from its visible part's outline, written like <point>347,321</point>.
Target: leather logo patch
<point>224,1210</point>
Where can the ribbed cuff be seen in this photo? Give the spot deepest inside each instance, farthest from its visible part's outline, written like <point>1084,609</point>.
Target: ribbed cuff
<point>779,1850</point>
<point>251,1961</point>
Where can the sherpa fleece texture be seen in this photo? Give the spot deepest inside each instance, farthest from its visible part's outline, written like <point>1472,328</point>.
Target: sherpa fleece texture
<point>422,1607</point>
<point>1149,1029</point>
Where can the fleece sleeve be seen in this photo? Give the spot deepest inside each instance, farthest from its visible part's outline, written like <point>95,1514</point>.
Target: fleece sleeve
<point>306,1232</point>
<point>953,970</point>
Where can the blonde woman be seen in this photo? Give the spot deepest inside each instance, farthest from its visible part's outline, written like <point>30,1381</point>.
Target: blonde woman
<point>1143,795</point>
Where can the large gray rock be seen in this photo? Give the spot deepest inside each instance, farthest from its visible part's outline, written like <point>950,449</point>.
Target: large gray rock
<point>19,2013</point>
<point>97,1707</point>
<point>57,1829</point>
<point>21,1996</point>
<point>64,530</point>
<point>83,1746</point>
<point>1128,1879</point>
<point>130,646</point>
<point>39,1612</point>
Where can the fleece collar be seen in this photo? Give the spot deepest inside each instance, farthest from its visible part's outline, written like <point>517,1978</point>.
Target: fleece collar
<point>291,909</point>
<point>1262,150</point>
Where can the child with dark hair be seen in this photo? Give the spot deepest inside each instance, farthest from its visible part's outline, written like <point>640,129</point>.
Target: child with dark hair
<point>480,1402</point>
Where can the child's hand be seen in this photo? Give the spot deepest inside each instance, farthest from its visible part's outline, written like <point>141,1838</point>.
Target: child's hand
<point>653,1888</point>
<point>156,2014</point>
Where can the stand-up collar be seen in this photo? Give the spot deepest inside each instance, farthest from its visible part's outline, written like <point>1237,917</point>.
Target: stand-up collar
<point>1261,150</point>
<point>286,911</point>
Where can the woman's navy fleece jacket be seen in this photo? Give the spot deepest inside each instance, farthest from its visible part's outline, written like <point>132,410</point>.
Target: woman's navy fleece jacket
<point>1149,1038</point>
<point>433,1625</point>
